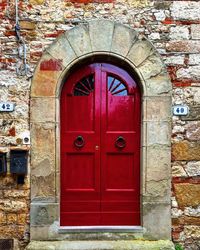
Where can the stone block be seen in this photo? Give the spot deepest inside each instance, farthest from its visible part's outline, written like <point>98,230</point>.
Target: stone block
<point>43,187</point>
<point>102,245</point>
<point>46,77</point>
<point>192,231</point>
<point>80,40</point>
<point>179,33</point>
<point>156,174</point>
<point>185,10</point>
<point>43,213</point>
<point>16,193</point>
<point>187,220</point>
<point>183,46</point>
<point>40,233</point>
<point>36,2</point>
<point>123,38</point>
<point>158,109</point>
<point>194,114</point>
<point>42,109</point>
<point>43,140</point>
<point>195,31</point>
<point>189,73</point>
<point>22,219</point>
<point>62,51</point>
<point>157,220</point>
<point>178,171</point>
<point>187,194</point>
<point>193,131</point>
<point>43,160</point>
<point>158,133</point>
<point>10,206</point>
<point>174,60</point>
<point>27,25</point>
<point>140,51</point>
<point>193,168</point>
<point>151,67</point>
<point>157,191</point>
<point>101,32</point>
<point>159,163</point>
<point>2,218</point>
<point>186,151</point>
<point>11,218</point>
<point>194,59</point>
<point>193,212</point>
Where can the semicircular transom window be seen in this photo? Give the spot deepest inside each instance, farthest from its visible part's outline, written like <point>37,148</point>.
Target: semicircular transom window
<point>116,87</point>
<point>85,86</point>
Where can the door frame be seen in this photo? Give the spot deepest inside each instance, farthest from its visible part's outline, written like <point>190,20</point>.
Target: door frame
<point>118,44</point>
<point>101,71</point>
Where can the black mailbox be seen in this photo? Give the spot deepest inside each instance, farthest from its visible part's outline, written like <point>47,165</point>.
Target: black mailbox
<point>18,161</point>
<point>3,163</point>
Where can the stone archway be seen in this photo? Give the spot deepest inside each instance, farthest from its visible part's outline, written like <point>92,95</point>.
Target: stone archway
<point>106,39</point>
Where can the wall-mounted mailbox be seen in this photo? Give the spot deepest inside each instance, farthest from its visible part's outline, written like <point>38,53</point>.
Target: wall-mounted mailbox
<point>3,163</point>
<point>18,162</point>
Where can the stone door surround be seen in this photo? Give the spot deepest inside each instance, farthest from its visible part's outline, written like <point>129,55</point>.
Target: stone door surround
<point>120,43</point>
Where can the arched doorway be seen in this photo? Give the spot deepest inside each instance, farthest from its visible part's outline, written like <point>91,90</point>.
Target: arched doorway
<point>100,40</point>
<point>100,147</point>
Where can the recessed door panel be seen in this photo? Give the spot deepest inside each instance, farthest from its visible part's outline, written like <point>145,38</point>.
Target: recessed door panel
<point>80,172</point>
<point>119,172</point>
<point>83,108</point>
<point>100,143</point>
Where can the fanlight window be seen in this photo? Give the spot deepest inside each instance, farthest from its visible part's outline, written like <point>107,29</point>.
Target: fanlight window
<point>116,87</point>
<point>85,86</point>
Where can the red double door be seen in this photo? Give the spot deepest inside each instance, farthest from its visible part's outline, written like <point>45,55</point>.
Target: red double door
<point>100,144</point>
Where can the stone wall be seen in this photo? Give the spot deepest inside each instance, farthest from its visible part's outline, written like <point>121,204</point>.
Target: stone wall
<point>172,26</point>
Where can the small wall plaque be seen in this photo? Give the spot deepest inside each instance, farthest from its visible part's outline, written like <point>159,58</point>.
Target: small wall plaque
<point>180,110</point>
<point>6,106</point>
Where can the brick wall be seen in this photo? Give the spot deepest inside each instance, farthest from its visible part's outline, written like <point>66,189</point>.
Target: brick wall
<point>174,29</point>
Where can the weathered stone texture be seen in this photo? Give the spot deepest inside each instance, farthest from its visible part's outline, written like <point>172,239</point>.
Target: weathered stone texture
<point>192,72</point>
<point>179,33</point>
<point>121,44</point>
<point>193,131</point>
<point>183,46</point>
<point>185,10</point>
<point>186,151</point>
<point>193,168</point>
<point>187,194</point>
<point>195,31</point>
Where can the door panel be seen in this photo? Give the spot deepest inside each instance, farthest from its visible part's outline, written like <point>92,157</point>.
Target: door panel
<point>80,162</point>
<point>119,172</point>
<point>100,142</point>
<point>119,134</point>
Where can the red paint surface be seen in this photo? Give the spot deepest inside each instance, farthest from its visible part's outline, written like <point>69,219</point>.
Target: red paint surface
<point>100,183</point>
<point>51,65</point>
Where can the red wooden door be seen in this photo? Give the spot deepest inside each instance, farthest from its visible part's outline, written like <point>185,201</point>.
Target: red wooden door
<point>100,145</point>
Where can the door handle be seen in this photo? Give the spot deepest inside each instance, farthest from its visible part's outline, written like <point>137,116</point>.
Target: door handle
<point>79,142</point>
<point>120,142</point>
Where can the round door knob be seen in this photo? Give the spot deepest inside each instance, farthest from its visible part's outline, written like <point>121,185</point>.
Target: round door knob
<point>79,141</point>
<point>120,142</point>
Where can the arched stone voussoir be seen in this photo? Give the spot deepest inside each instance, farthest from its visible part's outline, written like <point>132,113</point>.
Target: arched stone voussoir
<point>123,39</point>
<point>79,39</point>
<point>61,50</point>
<point>46,76</point>
<point>152,66</point>
<point>140,51</point>
<point>101,33</point>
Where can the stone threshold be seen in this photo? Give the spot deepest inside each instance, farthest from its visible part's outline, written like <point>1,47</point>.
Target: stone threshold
<point>101,245</point>
<point>93,229</point>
